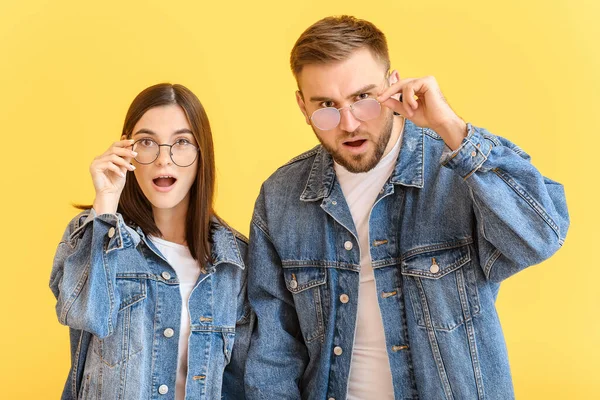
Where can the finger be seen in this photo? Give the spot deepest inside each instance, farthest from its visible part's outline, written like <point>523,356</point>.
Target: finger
<point>408,94</point>
<point>397,106</point>
<point>393,89</point>
<point>115,159</point>
<point>123,143</point>
<point>114,168</point>
<point>122,152</point>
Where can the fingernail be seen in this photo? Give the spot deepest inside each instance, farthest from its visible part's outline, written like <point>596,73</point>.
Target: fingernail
<point>123,175</point>
<point>134,153</point>
<point>132,166</point>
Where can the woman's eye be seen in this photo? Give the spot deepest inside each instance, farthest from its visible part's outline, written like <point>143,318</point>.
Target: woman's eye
<point>182,142</point>
<point>146,142</point>
<point>363,96</point>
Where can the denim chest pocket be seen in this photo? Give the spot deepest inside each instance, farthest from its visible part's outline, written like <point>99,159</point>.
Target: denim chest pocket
<point>307,285</point>
<point>441,285</point>
<point>126,339</point>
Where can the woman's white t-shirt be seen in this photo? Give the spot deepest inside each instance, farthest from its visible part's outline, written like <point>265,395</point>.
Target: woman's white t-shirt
<point>188,271</point>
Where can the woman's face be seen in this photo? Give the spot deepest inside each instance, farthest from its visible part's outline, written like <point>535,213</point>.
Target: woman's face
<point>165,183</point>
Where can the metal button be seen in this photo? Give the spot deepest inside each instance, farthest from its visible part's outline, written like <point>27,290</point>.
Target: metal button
<point>334,203</point>
<point>348,245</point>
<point>163,389</point>
<point>166,275</point>
<point>434,269</point>
<point>111,232</point>
<point>293,284</point>
<point>473,154</point>
<point>337,350</point>
<point>344,298</point>
<point>331,398</point>
<point>168,332</point>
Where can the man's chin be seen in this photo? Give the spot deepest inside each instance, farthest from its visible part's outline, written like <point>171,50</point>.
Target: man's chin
<point>357,164</point>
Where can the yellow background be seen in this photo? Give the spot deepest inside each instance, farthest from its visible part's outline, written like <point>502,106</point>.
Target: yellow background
<point>526,70</point>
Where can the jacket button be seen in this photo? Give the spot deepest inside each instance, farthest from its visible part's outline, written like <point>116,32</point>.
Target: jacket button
<point>344,298</point>
<point>337,350</point>
<point>166,275</point>
<point>348,245</point>
<point>434,269</point>
<point>294,284</point>
<point>168,332</point>
<point>111,232</point>
<point>163,389</point>
<point>331,398</point>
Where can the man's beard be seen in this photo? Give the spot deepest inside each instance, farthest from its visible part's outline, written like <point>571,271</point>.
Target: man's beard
<point>363,162</point>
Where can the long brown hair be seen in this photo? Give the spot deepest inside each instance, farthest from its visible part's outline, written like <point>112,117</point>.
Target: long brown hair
<point>133,204</point>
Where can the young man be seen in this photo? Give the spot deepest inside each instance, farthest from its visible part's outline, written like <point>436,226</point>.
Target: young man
<point>375,258</point>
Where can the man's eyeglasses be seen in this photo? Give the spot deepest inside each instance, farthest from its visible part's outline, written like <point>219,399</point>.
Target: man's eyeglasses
<point>329,117</point>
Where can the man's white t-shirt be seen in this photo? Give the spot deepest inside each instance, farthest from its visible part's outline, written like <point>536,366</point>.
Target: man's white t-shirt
<point>370,374</point>
<point>188,271</point>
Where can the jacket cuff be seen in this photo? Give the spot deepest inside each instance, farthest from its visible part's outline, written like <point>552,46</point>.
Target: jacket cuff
<point>471,154</point>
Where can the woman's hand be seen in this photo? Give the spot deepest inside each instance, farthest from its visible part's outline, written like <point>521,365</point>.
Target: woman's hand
<point>109,172</point>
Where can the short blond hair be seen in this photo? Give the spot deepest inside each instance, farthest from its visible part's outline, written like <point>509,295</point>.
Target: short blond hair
<point>334,39</point>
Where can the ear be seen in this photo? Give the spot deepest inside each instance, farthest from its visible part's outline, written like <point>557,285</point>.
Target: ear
<point>302,106</point>
<point>394,77</point>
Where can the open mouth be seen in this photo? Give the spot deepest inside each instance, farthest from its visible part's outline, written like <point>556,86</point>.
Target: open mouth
<point>165,181</point>
<point>355,143</point>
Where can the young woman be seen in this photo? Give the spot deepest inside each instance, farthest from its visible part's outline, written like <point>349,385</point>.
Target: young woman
<point>151,282</point>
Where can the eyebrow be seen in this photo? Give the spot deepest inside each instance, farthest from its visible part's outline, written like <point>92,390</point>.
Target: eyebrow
<point>356,93</point>
<point>152,133</point>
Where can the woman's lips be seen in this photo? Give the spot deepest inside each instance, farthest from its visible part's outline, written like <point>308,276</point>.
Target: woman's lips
<point>163,184</point>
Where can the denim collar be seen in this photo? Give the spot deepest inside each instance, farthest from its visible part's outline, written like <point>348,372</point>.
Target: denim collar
<point>224,247</point>
<point>409,169</point>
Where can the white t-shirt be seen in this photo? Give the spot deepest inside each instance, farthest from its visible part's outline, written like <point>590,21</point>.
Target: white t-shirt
<point>370,374</point>
<point>188,271</point>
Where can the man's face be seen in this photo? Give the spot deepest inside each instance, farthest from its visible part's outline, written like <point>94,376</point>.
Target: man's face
<point>356,145</point>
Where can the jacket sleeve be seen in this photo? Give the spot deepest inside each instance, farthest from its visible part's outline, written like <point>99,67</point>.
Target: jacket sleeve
<point>522,217</point>
<point>233,378</point>
<point>82,280</point>
<point>278,355</point>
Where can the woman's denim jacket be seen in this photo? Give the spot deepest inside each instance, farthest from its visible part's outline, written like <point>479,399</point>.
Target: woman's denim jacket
<point>121,300</point>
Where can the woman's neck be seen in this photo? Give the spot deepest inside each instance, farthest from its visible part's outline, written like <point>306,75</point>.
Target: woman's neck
<point>171,222</point>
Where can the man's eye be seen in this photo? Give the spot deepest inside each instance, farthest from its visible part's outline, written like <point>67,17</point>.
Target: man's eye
<point>363,96</point>
<point>327,104</point>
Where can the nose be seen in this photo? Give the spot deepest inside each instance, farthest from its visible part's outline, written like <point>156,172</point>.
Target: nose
<point>164,157</point>
<point>348,121</point>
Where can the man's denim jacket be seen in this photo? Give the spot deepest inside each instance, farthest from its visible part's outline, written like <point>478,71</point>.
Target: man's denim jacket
<point>121,300</point>
<point>444,231</point>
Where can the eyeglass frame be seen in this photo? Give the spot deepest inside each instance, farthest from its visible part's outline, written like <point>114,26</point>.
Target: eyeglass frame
<point>351,110</point>
<point>351,107</point>
<point>170,146</point>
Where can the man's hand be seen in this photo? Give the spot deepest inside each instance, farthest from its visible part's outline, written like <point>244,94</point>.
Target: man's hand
<point>428,110</point>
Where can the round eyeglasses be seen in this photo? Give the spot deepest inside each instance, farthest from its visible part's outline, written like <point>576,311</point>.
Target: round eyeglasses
<point>182,152</point>
<point>329,117</point>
